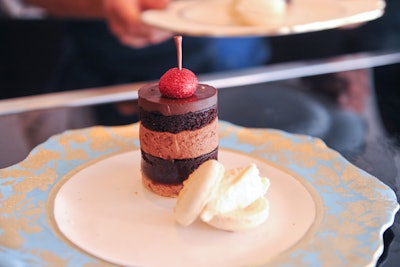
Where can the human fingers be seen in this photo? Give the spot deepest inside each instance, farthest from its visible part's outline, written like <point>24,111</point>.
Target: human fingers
<point>154,4</point>
<point>127,108</point>
<point>157,35</point>
<point>357,90</point>
<point>122,14</point>
<point>148,36</point>
<point>124,22</point>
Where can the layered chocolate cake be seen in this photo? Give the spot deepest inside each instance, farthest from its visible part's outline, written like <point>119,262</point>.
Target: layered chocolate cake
<point>176,135</point>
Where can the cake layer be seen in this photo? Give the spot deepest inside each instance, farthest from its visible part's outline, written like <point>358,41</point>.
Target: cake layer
<point>166,190</point>
<point>172,171</point>
<point>191,121</point>
<point>183,145</point>
<point>150,99</point>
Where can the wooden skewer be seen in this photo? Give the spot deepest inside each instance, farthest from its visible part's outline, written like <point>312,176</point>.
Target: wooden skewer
<point>178,44</point>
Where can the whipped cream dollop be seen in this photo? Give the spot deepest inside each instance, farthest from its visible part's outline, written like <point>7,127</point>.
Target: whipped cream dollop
<point>231,200</point>
<point>260,12</point>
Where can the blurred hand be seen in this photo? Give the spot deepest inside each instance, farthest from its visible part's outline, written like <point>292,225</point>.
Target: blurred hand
<point>124,21</point>
<point>349,89</point>
<point>356,91</point>
<point>128,108</point>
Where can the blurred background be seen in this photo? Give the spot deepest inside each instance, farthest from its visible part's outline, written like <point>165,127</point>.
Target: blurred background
<point>355,112</point>
<point>60,53</point>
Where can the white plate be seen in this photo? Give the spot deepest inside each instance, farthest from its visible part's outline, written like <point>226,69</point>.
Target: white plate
<point>77,200</point>
<point>118,214</point>
<point>215,17</point>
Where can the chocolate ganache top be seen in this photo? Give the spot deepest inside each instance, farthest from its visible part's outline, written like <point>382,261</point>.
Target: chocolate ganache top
<point>150,99</point>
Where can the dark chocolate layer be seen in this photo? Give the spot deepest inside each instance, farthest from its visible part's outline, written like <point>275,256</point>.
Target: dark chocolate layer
<point>191,121</point>
<point>150,99</point>
<point>172,171</point>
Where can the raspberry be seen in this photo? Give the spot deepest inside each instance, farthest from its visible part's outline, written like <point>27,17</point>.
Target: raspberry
<point>178,83</point>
